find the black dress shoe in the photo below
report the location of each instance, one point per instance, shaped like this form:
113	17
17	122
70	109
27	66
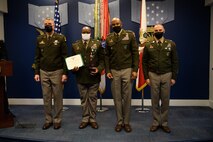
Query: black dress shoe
57	125
166	129
47	126
83	125
153	128
127	128
118	127
94	125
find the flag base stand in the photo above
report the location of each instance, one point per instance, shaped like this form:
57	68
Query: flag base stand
101	108
142	109
65	108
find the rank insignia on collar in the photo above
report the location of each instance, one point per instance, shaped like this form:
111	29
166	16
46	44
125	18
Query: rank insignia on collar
42	42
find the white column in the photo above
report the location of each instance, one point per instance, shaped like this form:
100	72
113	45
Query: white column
3	9
1	26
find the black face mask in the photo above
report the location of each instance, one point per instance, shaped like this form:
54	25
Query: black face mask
116	29
158	35
48	28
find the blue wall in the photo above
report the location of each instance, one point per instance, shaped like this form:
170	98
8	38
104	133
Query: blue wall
190	30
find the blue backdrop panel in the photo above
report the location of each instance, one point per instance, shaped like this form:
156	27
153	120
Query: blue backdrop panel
190	30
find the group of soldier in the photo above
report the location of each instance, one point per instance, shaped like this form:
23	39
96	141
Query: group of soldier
120	60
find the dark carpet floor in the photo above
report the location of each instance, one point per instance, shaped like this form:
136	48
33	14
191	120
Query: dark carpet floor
188	124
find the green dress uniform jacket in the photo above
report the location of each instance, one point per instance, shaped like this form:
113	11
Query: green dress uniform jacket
160	58
50	53
92	53
121	51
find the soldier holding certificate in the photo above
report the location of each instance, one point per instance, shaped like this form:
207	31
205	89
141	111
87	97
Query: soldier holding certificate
89	75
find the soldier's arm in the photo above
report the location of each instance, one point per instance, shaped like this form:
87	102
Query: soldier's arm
175	62
37	58
135	55
101	58
64	54
107	66
145	62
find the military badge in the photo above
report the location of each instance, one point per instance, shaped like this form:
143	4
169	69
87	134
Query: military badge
126	37
94	47
42	42
125	46
169	45
56	42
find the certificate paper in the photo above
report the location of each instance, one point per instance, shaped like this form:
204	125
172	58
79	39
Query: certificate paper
74	61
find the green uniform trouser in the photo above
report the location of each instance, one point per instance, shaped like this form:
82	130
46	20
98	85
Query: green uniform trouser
121	86
52	87
160	91
88	94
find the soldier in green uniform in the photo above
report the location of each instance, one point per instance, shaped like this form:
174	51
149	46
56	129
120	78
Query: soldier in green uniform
51	70
121	67
160	67
88	76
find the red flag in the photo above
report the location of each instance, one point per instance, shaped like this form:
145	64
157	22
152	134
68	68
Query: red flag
104	22
140	81
104	19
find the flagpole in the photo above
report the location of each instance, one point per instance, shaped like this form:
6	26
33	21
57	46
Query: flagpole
142	109
101	108
57	29
103	31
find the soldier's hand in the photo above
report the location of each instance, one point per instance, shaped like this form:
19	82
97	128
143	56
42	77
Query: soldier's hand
93	70
134	75
172	82
109	75
148	82
64	78
75	69
37	78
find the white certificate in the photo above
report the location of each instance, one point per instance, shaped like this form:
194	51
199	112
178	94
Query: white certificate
74	61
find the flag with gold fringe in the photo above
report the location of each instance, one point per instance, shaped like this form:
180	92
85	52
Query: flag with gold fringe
101	30
140	81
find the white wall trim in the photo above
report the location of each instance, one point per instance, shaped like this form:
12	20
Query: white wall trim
211	103
109	102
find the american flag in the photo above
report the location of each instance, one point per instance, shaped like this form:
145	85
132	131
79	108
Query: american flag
57	18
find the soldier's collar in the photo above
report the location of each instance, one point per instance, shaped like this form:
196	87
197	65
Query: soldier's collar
161	40
50	35
119	32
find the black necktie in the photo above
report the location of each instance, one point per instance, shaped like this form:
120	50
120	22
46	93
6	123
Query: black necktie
159	44
116	36
48	37
85	44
